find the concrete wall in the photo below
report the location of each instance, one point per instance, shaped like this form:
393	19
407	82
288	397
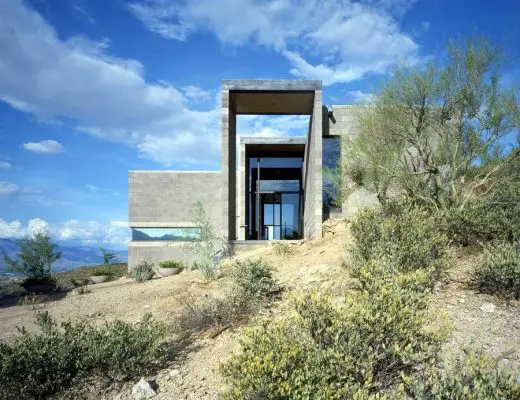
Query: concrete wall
345	124
157	252
312	174
164	199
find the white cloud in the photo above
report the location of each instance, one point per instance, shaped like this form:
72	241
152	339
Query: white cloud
37	225
5	165
11	229
44	147
108	97
359	97
8	189
197	94
115	234
355	38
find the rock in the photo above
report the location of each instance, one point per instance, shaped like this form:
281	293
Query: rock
437	287
143	390
488	307
174	373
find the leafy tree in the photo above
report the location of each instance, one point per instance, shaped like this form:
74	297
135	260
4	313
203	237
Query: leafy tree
108	256
37	254
436	133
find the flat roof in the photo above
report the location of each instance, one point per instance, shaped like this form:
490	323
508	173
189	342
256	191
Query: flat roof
260	96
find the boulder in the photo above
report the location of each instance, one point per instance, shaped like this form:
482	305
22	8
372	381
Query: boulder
143	390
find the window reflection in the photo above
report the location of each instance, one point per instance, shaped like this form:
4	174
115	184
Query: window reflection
165	234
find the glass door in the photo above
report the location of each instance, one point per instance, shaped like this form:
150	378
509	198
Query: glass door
270	216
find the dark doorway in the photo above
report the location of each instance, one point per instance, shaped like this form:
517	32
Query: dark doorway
274	201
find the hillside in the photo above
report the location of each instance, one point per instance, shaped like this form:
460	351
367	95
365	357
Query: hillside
317	265
73	256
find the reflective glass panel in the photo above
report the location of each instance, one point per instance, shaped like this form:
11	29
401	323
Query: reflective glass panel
165	234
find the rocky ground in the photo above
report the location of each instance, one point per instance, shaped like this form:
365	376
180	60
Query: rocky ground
477	320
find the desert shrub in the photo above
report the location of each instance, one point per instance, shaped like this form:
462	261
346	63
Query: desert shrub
354	348
254	278
212	312
209	247
409	238
172	264
37	255
282	248
144	271
484	220
252	282
60	355
103	271
499	273
471	377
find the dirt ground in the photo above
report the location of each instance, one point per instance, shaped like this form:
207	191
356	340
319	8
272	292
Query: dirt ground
479	321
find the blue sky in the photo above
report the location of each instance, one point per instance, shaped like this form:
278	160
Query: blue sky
90	89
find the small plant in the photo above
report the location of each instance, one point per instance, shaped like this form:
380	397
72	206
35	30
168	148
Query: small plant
109	257
255	278
499	273
209	246
144	271
171	264
38	365
83	290
37	255
282	248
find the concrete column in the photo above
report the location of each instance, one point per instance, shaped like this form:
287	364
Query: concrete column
228	126
243	191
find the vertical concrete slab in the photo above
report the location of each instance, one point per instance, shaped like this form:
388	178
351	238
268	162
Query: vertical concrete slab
228	126
313	193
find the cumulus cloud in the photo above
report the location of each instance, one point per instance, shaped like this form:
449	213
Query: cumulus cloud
44	147
355	38
11	229
5	165
115	234
37	225
76	79
8	189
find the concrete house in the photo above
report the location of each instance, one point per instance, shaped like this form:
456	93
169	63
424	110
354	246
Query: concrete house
267	189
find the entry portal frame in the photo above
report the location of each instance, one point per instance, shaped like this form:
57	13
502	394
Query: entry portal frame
271	97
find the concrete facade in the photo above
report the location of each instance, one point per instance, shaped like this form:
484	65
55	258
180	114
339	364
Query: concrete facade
163	199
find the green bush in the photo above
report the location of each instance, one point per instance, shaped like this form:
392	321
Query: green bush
409	238
144	271
255	278
41	364
171	264
37	255
473	377
354	348
499	273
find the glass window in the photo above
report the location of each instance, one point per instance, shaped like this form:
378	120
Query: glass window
165	234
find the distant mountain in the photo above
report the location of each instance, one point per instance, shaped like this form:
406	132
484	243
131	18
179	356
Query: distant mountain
72	257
